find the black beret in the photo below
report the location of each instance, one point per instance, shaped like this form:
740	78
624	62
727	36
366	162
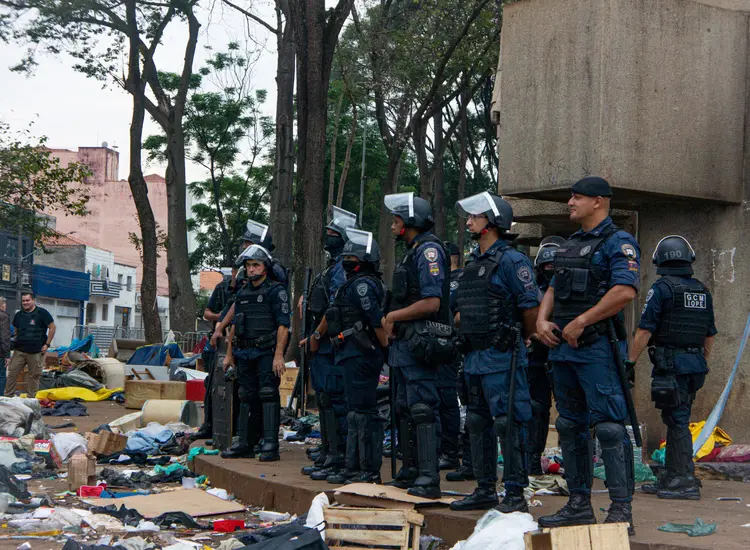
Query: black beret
592	186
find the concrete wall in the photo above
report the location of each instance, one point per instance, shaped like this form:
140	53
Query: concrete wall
647	93
72	258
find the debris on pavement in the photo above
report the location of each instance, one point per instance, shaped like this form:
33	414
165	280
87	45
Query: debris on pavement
697	529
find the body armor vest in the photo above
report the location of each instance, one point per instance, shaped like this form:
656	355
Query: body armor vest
579	283
485	309
257	315
320	293
349	313
406	290
685	317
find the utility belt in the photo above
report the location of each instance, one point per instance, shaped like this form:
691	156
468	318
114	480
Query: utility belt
503	339
592	333
665	392
429	340
266	341
360	335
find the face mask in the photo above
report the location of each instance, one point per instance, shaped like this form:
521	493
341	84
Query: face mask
351	267
334	243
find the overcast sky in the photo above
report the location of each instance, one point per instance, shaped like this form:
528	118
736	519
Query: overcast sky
73	110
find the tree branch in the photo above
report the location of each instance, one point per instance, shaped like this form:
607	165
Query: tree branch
249	15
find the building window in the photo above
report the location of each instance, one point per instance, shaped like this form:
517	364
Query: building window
130	283
91	313
119	279
105	312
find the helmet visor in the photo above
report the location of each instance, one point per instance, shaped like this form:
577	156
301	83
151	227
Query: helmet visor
342	218
255	231
254	252
360	238
480	203
400	202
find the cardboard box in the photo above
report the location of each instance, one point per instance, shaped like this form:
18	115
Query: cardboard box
81	471
137	392
105	443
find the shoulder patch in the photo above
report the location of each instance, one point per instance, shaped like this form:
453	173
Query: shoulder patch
434	268
524	274
362	289
365	301
431	254
283	295
650	294
454	285
629	250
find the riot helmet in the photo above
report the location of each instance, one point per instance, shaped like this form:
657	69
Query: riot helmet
497	210
364	247
544	261
341	220
415	211
258	233
673	255
553	239
256	252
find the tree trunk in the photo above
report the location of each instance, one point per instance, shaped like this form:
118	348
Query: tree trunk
385	238
181	296
348	158
227	255
139	188
282	211
334	138
419	136
463	139
438	177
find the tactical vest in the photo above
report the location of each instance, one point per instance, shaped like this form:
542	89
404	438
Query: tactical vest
32	335
685	317
349	313
485	309
579	283
320	293
253	310
406	290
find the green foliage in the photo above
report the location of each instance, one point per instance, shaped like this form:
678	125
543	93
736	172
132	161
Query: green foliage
33	181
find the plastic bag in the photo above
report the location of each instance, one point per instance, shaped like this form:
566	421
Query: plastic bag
498	530
11	484
315	513
698	529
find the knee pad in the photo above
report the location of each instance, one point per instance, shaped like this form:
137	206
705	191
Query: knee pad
476	422
567	428
325	400
244	395
609	433
268	394
422	414
501	426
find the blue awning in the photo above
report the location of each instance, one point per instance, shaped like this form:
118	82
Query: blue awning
52	282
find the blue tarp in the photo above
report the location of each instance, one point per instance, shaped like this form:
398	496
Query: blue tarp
155	355
86	345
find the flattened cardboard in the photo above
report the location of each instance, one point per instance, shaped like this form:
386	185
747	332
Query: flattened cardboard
195	502
383	496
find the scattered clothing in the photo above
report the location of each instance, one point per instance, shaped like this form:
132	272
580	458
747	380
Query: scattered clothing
698	529
66	408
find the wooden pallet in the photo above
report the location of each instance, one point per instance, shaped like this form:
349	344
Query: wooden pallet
610	536
373	527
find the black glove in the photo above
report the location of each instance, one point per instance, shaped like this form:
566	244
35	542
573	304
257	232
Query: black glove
630	373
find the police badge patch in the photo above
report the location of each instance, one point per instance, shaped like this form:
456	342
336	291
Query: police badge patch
482	271
260	298
454	285
283	296
362	289
585	250
431	254
365	301
628	250
650	294
524	274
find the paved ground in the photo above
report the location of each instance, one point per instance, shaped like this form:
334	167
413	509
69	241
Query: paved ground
280	486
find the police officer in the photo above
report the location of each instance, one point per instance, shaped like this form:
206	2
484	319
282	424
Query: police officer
354	323
260	234
596	276
496	292
327	379
256	347
419	313
219	299
678	326
539	381
447	384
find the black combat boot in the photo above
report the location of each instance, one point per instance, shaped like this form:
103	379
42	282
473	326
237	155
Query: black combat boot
351	457
513	501
684	485
578	511
463	473
484	497
204	432
269	449
241	448
448	461
318	454
408	472
668	472
621	512
370	437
